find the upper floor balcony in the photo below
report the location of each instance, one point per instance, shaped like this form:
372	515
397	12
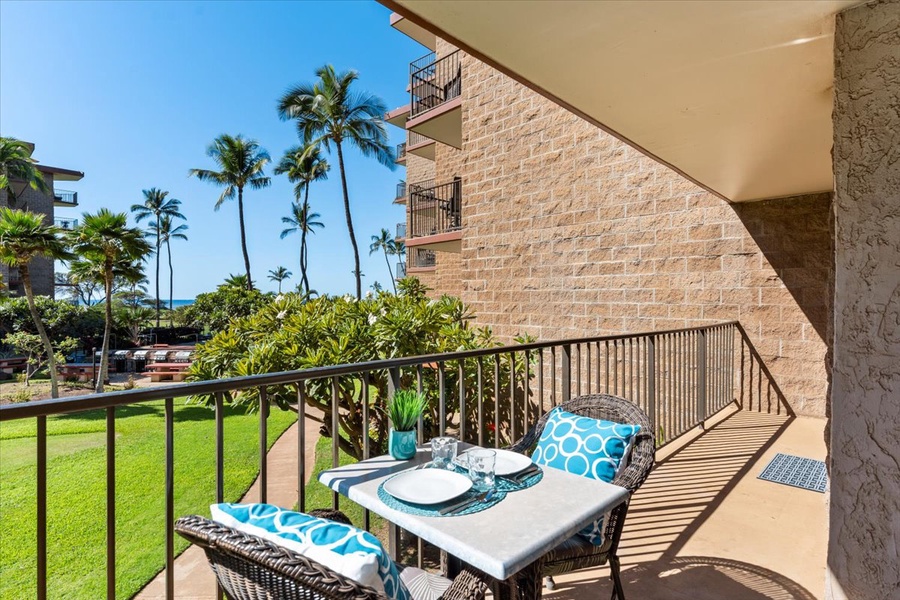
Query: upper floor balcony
65	223
435	216
401	154
65	198
413	30
418	144
436	99
401	232
401	270
400	194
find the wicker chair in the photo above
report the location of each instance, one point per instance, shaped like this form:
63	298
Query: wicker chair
576	552
251	568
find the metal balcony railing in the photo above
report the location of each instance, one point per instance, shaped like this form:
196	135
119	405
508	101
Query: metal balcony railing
65	223
401	231
434	84
401	191
416	139
65	197
488	396
401	151
422	258
422	63
435	209
401	270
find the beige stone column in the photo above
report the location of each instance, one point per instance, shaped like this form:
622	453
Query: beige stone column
864	540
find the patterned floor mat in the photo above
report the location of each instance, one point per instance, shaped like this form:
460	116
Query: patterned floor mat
796	471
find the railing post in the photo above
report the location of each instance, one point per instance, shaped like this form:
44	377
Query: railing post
651	382
566	372
393	380
701	377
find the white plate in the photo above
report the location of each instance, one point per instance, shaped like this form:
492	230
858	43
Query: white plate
508	462
427	486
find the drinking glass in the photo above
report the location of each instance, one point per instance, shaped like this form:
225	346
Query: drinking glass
443	451
481	468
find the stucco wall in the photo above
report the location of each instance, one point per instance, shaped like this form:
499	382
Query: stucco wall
864	544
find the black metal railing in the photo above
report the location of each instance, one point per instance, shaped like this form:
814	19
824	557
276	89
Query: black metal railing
401	270
422	258
401	231
401	152
489	396
65	197
417	139
435	83
65	222
422	63
435	209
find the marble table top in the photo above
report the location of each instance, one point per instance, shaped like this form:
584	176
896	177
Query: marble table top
501	540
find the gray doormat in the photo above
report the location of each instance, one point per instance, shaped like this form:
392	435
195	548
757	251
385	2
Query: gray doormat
796	471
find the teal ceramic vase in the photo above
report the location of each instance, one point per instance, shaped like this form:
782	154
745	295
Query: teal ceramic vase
402	444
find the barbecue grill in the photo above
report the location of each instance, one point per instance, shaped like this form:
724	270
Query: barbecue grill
140	360
162	355
121	360
184	356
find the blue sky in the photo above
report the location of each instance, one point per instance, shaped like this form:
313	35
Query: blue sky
131	93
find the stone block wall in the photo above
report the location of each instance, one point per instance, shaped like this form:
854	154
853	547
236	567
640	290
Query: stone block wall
569	232
864	541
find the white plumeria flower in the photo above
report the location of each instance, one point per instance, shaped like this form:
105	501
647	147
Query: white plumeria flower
279	297
372	319
281	315
369	294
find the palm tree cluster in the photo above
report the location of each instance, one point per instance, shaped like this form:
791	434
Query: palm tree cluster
386	243
102	249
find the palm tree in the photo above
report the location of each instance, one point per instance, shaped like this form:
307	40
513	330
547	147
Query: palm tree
303	166
105	241
328	112
385	242
156	204
279	275
165	233
241	163
305	222
23	236
237	281
16	164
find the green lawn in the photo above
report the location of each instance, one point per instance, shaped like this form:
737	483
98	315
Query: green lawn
76	492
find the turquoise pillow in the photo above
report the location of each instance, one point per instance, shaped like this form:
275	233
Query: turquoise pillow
584	446
342	548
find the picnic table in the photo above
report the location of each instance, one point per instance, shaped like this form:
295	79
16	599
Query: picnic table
13	364
507	540
167	371
79	371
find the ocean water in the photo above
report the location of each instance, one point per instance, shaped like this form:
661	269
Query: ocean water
164	302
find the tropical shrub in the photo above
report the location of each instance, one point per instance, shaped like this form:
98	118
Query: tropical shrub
61	318
30	345
214	311
293	333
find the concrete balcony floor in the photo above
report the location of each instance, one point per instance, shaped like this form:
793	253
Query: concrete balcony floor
704	527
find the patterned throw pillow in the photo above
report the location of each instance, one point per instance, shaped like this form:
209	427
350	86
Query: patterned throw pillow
345	549
584	446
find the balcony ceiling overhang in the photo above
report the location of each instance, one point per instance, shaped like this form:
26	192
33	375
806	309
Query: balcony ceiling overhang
737	96
413	30
398	116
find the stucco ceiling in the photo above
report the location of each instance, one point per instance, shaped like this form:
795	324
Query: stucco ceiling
735	95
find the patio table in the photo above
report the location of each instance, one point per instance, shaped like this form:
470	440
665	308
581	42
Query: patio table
504	541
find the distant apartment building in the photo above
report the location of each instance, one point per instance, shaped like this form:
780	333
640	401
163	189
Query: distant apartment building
42	270
545	224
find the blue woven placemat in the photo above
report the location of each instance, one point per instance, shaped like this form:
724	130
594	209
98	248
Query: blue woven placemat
805	473
433	510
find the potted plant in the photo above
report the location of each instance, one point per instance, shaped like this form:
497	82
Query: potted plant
404	410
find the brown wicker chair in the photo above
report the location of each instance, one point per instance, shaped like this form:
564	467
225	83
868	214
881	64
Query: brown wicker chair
576	552
251	568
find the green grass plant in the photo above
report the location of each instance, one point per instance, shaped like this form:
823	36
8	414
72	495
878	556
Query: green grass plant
404	409
76	492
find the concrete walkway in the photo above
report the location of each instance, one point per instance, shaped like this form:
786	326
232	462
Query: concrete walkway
194	580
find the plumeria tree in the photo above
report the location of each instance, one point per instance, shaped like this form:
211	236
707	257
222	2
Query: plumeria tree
330	114
24	237
241	164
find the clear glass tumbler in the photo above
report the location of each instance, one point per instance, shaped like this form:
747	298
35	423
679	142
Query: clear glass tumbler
481	468
443	451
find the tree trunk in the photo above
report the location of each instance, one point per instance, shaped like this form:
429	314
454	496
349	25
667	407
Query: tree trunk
45	339
390	273
107	330
244	237
356	272
304	282
171	278
157	270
